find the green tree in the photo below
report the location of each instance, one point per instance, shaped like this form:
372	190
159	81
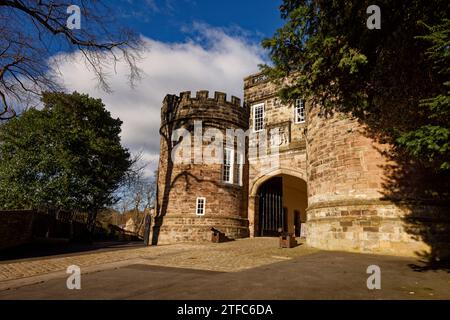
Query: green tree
67	156
395	79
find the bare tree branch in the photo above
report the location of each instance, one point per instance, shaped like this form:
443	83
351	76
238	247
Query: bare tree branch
32	31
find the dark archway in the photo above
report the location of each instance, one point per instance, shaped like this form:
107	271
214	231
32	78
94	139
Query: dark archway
282	202
272	216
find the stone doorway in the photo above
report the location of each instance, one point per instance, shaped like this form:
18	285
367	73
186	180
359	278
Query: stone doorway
280	204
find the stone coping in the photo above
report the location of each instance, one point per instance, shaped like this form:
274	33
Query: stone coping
368	202
201	226
202	218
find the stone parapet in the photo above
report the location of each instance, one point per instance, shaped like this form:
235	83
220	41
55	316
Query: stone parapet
215	110
377	227
183	229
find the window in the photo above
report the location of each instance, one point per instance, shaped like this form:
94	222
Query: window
200	207
240	167
299	111
258	117
228	165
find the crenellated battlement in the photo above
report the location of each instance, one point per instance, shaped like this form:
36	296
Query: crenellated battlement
203	95
203	107
207	121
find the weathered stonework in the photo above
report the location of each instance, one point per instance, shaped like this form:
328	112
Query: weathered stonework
291	159
180	184
365	226
333	180
346	179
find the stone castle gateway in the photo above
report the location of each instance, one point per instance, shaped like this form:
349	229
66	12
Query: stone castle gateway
327	184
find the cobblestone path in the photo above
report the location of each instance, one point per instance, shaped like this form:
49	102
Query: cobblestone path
228	257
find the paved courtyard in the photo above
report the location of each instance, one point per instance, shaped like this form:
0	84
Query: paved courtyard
242	269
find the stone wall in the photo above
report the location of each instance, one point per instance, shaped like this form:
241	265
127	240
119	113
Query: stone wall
21	227
348	200
16	228
347	204
342	162
289	159
350	204
361	226
179	184
277	114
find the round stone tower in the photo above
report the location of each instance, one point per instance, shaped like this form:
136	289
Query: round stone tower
349	186
196	191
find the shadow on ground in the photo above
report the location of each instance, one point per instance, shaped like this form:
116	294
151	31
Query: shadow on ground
317	276
53	248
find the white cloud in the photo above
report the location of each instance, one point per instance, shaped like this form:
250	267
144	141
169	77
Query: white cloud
214	60
152	5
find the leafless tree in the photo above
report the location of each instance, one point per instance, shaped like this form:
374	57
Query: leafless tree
31	31
143	197
137	194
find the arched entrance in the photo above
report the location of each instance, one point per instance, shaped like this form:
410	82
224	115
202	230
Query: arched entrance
278	202
271	211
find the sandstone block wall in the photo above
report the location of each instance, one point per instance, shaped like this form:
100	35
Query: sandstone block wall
179	185
290	158
340	172
347	209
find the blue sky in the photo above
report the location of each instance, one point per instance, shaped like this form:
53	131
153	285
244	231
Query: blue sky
168	20
192	45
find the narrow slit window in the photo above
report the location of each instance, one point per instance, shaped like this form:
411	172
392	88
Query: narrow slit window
200	207
299	111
